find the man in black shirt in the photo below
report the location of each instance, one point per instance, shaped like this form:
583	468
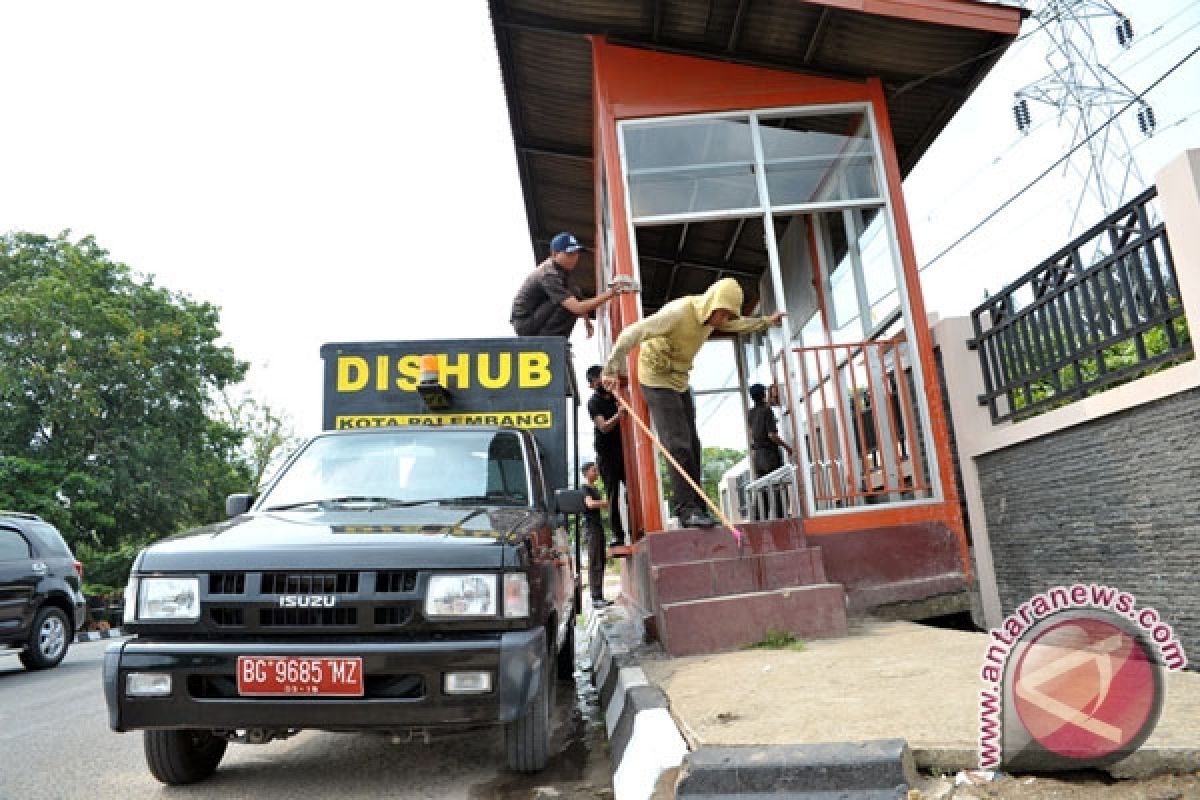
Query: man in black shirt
593	528
765	441
610	457
545	305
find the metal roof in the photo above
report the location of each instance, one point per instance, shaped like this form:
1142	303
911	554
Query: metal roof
928	66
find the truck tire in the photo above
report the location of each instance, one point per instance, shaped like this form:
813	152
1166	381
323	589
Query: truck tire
527	738
566	655
48	639
179	757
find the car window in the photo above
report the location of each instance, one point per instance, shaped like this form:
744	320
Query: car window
13	546
52	544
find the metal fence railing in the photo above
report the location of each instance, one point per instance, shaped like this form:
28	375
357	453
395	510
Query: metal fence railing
1075	325
861	426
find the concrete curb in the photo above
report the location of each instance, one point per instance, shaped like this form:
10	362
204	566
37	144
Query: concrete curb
643	739
876	769
92	636
646	744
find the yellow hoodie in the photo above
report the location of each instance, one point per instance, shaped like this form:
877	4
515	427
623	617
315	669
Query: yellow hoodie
671	337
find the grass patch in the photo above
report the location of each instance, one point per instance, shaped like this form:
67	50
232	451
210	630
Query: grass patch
778	640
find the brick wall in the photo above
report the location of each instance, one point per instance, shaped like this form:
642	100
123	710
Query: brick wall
1113	501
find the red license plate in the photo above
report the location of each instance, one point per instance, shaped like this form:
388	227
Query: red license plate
300	675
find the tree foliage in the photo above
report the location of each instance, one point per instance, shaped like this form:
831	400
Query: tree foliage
716	461
269	436
105	389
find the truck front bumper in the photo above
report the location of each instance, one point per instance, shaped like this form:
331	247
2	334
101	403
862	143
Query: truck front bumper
404	684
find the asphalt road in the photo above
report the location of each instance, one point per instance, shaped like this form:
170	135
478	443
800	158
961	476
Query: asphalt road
55	743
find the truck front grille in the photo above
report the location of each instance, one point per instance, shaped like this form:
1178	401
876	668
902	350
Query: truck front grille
309	582
227	583
396	581
307	617
312	602
227	617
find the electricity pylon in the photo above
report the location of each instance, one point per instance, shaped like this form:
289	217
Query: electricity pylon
1085	94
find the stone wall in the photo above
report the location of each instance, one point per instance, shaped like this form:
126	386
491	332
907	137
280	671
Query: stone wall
1114	501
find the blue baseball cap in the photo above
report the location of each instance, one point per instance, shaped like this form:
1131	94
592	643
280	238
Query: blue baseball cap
565	243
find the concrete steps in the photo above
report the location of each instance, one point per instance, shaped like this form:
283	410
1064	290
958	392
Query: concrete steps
709	595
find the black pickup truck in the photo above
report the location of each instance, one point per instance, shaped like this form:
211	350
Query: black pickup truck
407	572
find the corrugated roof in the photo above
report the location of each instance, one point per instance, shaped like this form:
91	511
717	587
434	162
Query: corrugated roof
928	69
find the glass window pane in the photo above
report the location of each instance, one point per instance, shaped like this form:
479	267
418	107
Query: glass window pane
13	546
682	166
715	366
721	422
818	158
879	269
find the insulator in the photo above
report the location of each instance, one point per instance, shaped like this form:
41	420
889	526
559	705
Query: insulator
1146	120
1021	115
1124	32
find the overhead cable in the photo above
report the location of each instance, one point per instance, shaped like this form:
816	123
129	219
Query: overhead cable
1104	125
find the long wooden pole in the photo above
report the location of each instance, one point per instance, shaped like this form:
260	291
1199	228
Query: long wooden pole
737	533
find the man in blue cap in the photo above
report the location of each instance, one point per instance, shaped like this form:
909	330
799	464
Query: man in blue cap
545	305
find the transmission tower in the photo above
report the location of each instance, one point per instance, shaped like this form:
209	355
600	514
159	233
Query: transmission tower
1085	94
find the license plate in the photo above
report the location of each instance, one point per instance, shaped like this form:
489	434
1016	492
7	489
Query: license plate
300	675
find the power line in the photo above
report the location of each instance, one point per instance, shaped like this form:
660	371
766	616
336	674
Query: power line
1159	28
1057	163
953	67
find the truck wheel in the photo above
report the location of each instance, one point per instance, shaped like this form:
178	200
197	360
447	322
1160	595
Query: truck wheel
179	757
47	644
566	655
528	736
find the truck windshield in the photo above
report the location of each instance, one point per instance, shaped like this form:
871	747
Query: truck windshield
406	467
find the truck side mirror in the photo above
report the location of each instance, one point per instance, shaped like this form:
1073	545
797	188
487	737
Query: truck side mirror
569	501
236	504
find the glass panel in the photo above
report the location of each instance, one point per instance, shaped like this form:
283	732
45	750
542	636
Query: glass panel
13	546
410	466
818	158
721	422
715	366
681	166
879	270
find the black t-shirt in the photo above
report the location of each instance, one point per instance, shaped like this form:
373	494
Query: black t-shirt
603	404
545	285
591	516
762	422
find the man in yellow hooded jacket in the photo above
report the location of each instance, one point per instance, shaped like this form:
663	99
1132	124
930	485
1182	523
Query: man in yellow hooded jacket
669	341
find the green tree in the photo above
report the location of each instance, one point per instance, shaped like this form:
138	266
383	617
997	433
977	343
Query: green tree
269	436
716	461
106	383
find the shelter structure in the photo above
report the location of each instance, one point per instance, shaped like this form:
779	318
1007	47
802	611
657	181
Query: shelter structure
766	140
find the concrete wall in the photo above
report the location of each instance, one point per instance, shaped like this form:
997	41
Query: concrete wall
1103	490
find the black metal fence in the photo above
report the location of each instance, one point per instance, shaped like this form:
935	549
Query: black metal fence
1075	324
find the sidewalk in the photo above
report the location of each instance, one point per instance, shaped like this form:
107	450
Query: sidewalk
885	681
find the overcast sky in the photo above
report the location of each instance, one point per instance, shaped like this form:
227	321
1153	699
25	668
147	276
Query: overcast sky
345	171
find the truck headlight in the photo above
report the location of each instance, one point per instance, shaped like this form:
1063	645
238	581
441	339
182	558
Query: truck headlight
461	596
168	598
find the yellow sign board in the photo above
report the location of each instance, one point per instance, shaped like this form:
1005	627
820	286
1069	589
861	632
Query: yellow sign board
509	419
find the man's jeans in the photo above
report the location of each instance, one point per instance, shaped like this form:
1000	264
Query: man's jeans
674	417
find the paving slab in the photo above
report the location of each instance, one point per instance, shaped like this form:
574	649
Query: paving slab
885	680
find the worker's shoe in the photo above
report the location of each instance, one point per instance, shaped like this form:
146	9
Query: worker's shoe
697	519
600	602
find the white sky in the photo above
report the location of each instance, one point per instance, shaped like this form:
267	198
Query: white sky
345	171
